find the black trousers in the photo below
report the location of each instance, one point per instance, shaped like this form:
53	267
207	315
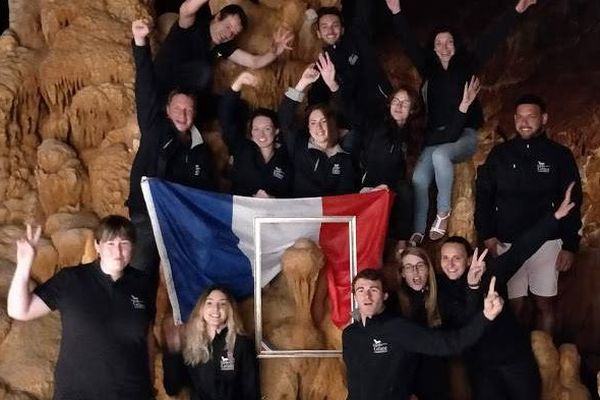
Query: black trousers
401	215
517	381
145	256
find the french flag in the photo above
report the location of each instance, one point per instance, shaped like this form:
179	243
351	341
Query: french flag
207	238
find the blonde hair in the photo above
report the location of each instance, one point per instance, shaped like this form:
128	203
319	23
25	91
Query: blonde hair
197	348
431	304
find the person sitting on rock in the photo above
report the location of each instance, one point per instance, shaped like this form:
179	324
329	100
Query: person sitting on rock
445	68
260	165
210	354
321	166
171	146
106	308
379	349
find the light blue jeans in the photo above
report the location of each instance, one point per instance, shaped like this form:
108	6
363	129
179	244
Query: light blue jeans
439	161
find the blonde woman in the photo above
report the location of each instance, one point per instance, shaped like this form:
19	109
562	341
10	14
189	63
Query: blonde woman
210	353
417	301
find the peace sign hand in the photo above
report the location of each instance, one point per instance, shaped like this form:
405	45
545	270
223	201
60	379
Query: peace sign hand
26	245
566	205
493	303
477	268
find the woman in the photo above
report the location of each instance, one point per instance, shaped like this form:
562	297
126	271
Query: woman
210	354
321	166
417	298
106	309
445	68
261	168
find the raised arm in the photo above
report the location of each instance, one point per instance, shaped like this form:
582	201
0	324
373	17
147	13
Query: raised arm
230	109
571	224
282	39
362	20
175	374
409	43
22	304
187	12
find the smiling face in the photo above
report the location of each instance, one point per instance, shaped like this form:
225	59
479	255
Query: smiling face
318	127
226	29
415	272
216	310
369	297
400	106
181	111
443	46
263	131
454	260
529	120
330	29
115	254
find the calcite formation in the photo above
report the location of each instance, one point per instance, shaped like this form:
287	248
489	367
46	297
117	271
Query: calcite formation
68	133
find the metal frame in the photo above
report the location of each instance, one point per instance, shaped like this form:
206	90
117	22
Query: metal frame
258	222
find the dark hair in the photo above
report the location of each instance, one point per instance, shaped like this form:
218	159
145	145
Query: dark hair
370	274
458	44
415	105
263	112
530	98
322	11
233	9
181	90
329	113
460	240
115	226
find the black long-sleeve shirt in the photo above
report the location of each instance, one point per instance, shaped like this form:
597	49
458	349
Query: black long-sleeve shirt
520	182
444	87
221	377
163	152
379	354
315	173
250	172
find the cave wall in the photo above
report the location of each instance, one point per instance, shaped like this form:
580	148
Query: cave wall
68	132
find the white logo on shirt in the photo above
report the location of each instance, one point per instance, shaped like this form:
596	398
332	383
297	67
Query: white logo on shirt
227	364
336	169
353	59
197	170
543	168
137	303
278	173
379	347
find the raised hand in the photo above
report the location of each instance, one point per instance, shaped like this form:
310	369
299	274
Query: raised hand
309	75
393	5
523	5
327	70
26	246
477	268
493	303
492	245
567	205
244	79
140	31
282	39
470	92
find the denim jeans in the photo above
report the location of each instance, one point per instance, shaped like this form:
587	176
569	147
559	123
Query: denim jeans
439	161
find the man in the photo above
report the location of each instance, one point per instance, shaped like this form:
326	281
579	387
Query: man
106	309
522	180
379	349
198	39
357	67
171	147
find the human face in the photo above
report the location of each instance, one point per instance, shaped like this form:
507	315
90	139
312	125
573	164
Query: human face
226	29
415	272
181	111
443	45
115	254
369	296
330	29
454	260
318	128
263	132
529	120
400	107
216	310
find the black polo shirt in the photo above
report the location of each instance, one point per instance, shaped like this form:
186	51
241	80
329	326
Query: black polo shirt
103	350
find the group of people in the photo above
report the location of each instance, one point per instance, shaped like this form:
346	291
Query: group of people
353	138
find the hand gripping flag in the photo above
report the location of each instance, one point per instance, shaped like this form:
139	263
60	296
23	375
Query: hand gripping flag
206	238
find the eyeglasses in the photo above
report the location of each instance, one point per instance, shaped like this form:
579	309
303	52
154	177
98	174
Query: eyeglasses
402	103
412	268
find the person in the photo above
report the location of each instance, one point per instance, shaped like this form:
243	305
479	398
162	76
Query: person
446	67
261	167
321	166
418	302
354	57
210	353
501	365
171	147
519	182
186	57
379	348
106	309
